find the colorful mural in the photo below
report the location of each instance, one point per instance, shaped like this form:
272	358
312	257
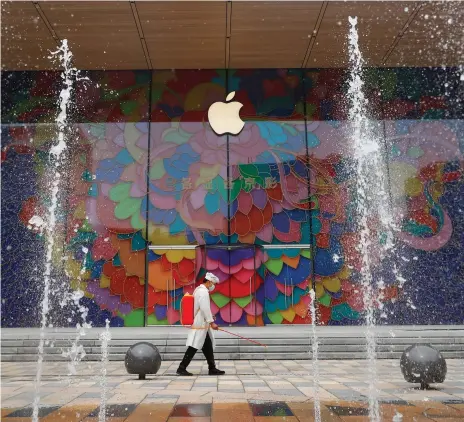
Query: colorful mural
283	185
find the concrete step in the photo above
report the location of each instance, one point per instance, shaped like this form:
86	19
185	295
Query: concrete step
284	342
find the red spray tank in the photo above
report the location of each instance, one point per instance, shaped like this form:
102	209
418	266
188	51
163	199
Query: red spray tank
186	309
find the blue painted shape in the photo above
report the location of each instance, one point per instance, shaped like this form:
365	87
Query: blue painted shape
117	261
124	158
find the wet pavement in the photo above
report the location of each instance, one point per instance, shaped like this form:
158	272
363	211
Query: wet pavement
251	391
245	411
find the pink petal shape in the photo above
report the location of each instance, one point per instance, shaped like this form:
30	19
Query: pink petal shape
135	191
276	207
325	225
233	269
197	198
211	264
244	275
214	308
265	234
347	286
306	299
221	275
231	312
254	308
162	202
287	291
245	202
287	237
287	205
303	285
230	269
142	142
251	264
355	301
328	204
105	189
173	315
130	173
91	210
103	249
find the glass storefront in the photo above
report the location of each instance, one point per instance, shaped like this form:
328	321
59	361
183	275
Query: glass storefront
153	198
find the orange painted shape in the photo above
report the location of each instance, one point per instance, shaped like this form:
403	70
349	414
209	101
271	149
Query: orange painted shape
291	262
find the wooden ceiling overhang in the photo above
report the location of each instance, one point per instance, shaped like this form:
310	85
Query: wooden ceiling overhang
191	34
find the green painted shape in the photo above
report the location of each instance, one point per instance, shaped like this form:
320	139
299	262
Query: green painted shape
325	300
152	320
120	191
127	207
236	188
342	311
416	229
86	176
128	107
86	226
243	301
395	151
306	253
138	242
275	317
220	300
388	82
178	137
82	237
415	152
310	110
157	170
134	318
248	170
137	222
218	183
274	265
117	260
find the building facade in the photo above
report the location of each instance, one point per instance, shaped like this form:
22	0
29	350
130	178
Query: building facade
151	196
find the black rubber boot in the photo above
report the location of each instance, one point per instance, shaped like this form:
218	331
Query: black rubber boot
209	355
182	370
215	371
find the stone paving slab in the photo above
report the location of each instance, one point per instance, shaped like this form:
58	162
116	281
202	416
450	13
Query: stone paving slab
287	381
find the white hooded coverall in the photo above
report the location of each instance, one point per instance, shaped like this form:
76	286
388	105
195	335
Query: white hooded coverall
203	318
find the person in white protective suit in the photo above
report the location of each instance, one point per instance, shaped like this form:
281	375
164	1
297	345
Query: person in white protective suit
201	334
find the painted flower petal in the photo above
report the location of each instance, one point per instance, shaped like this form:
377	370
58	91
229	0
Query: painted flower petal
173	316
245	202
274	265
254	308
275	317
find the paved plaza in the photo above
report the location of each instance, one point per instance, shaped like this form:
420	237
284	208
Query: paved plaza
251	391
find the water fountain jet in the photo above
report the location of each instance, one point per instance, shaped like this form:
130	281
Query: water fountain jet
56	154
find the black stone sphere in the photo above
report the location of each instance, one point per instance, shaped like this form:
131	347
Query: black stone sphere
421	363
142	358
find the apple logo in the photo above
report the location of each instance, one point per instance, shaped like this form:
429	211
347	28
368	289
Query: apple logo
224	117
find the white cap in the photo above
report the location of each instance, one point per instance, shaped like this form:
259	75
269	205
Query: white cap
211	277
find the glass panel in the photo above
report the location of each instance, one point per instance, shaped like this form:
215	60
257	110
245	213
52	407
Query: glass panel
171	274
239	296
287	280
100	227
188	165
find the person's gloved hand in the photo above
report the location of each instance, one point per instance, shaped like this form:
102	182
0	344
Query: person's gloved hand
214	326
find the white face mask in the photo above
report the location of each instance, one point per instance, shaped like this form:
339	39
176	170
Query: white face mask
211	288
